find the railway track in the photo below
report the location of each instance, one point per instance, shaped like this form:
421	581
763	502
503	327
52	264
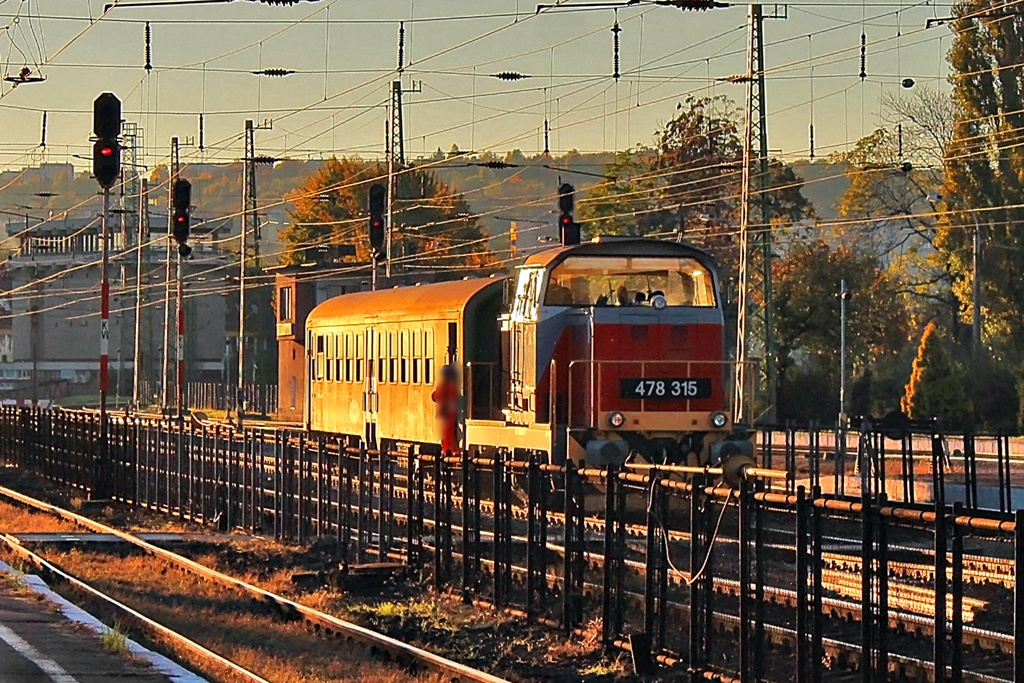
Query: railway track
842	654
401	653
205	658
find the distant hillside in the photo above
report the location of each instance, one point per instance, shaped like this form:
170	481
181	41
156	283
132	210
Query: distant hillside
524	192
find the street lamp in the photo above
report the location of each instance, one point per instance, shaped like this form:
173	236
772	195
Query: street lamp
934	198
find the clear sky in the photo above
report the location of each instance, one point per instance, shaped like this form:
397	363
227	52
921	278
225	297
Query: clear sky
345	53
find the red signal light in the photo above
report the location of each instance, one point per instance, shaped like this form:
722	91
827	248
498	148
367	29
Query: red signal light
181	219
566	220
378	224
106	151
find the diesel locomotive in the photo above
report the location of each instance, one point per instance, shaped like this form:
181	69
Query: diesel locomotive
596	351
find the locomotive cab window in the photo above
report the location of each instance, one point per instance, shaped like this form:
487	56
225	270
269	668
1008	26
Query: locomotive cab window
630	281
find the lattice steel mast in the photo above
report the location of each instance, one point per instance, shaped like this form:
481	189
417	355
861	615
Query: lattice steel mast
754	333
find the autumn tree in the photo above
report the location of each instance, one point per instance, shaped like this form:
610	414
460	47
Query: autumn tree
984	166
807	322
688	184
888	210
433	225
937	384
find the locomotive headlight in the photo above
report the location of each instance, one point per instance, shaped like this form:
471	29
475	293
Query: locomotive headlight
658	301
616	419
719	419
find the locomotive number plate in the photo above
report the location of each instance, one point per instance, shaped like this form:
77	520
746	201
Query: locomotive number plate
667	387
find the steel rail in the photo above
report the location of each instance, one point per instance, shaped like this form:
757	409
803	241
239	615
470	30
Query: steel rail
152	626
401	652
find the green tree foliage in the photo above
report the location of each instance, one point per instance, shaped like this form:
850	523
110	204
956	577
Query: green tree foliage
433	226
807	319
688	184
937	387
984	166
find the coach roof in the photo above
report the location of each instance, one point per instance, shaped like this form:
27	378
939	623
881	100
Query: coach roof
400	302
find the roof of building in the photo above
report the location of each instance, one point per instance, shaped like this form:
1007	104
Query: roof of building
399	302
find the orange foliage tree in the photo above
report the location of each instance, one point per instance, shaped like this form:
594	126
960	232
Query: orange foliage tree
433	226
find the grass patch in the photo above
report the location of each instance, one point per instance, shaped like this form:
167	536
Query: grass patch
115	640
15	519
14	582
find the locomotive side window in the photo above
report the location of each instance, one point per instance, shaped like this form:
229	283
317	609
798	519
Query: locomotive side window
630	281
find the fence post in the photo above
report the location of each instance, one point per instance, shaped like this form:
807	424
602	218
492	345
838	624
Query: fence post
609	579
957	586
696	524
467	550
1018	597
802	664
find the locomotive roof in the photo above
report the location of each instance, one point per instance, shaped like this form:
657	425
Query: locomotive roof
393	303
618	246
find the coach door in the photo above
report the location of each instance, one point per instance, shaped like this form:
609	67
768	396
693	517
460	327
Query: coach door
368	359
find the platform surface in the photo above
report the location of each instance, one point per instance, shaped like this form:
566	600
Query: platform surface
38	645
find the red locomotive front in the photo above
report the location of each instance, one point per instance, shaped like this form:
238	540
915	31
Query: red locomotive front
618	346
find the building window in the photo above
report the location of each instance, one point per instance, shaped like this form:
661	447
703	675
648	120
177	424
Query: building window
285	307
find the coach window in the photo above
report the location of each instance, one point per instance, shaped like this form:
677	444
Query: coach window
382	352
320	343
404	361
329	357
359	357
416	350
428	357
392	357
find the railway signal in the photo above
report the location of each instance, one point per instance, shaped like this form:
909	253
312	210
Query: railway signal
182	203
568	227
106	151
377	207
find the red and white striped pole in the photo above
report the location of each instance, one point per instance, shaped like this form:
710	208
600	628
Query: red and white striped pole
181	338
102	478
